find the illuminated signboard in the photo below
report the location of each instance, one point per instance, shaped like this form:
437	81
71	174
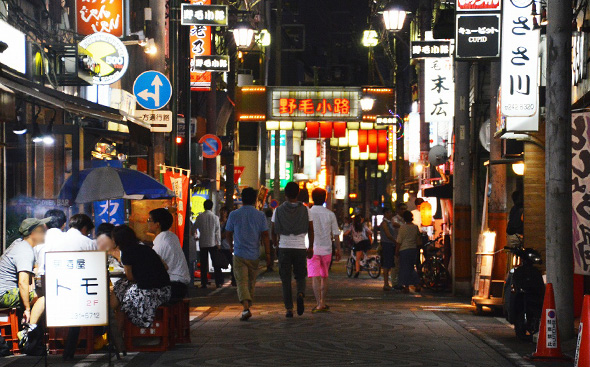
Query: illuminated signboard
15	55
424	49
93	16
315	103
204	14
469	5
103	57
218	63
200	38
439	87
477	35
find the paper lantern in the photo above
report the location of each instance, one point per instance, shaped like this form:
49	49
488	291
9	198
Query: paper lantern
286	125
382	141
381	158
313	129
353	125
339	129
272	125
426	214
326	130
343	141
353	138
363	140
355	153
299	125
372	139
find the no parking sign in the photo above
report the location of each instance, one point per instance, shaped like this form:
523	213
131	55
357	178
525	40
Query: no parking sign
211	145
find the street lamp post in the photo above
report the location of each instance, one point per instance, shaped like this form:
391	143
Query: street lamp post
394	20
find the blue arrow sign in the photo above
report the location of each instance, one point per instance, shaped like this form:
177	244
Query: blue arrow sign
152	90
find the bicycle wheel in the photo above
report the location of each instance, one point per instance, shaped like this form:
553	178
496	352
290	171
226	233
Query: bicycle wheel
374	269
350	267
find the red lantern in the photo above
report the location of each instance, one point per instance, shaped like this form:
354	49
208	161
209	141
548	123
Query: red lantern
313	129
382	141
381	158
363	140
372	141
339	129
326	130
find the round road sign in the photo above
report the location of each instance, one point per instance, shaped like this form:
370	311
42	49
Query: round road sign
211	145
274	204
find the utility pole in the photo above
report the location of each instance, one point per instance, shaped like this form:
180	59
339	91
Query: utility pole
231	125
558	163
173	26
461	259
278	70
185	86
401	72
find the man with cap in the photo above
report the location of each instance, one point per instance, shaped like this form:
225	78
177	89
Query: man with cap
16	269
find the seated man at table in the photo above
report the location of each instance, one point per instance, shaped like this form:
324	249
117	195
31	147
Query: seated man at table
76	238
16	270
167	245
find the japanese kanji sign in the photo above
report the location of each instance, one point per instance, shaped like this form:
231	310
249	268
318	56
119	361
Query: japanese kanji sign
477	36
76	288
200	39
520	60
93	16
581	192
160	121
439	88
178	182
218	63
469	5
204	14
109	211
323	103
423	49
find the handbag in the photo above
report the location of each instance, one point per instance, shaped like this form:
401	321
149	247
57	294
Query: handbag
218	258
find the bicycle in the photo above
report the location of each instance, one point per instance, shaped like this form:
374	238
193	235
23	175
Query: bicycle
371	264
434	274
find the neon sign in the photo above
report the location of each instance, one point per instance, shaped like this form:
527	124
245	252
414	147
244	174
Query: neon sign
315	104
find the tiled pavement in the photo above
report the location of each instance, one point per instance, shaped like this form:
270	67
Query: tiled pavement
366	327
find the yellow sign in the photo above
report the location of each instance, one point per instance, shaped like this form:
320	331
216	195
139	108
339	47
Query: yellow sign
104	58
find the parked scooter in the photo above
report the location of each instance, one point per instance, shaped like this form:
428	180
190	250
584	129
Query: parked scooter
523	292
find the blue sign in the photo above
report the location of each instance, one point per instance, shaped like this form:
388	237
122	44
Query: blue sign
152	90
109	211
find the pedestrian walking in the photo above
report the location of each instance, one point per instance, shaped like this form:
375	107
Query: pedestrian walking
325	227
401	208
291	222
408	238
388	241
207	223
245	229
226	248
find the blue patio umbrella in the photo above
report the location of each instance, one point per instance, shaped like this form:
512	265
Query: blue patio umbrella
109	183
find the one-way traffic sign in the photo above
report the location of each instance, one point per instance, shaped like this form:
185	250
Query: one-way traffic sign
152	90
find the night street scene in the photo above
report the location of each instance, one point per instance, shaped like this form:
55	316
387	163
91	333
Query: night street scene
266	183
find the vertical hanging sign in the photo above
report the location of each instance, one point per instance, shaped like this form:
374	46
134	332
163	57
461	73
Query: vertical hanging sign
200	38
439	90
178	182
520	59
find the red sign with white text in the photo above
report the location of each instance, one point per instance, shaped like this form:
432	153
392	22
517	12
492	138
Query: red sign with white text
467	5
93	16
200	37
178	183
238	170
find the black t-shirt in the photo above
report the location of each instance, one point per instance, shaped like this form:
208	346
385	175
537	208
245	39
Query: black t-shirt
515	223
147	267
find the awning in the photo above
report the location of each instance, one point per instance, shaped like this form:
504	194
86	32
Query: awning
77	105
444	191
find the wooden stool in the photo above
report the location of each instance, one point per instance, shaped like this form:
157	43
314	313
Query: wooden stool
58	336
9	326
160	329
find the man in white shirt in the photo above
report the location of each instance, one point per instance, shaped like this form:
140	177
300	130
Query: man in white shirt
53	237
291	222
325	229
76	238
167	245
207	223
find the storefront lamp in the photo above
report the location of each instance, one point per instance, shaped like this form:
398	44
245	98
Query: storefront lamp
263	38
150	47
367	103
286	125
272	125
370	38
394	18
243	34
518	168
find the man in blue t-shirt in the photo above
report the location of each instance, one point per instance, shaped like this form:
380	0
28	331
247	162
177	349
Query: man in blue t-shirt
245	228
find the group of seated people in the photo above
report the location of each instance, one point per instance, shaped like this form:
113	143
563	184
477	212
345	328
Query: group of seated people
152	275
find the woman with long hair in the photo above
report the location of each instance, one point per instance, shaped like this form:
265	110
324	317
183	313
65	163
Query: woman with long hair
361	238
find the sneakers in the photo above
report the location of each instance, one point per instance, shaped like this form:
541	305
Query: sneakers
300	304
356	275
246	314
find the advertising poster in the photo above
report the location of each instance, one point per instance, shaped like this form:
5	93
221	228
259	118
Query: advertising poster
178	182
581	192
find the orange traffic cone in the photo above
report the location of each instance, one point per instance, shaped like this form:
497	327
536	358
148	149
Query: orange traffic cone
548	345
583	348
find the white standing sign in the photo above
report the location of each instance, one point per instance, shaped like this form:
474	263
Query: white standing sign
520	59
76	288
439	87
